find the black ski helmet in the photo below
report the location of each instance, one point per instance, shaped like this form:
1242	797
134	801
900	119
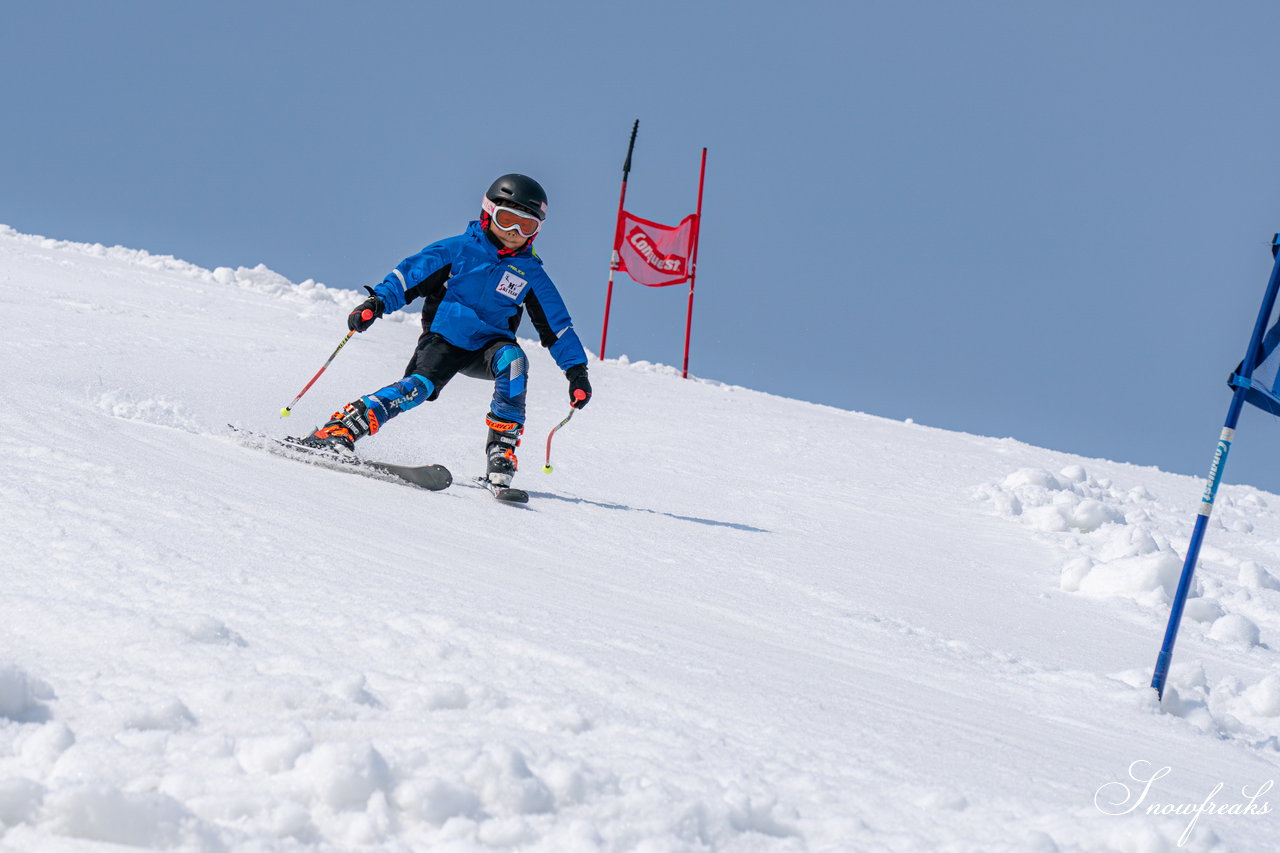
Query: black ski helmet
520	190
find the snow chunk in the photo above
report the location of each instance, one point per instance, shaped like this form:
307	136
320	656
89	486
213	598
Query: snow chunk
765	816
1053	503
273	753
1075	571
344	776
19	800
1186	694
21	695
1254	576
100	813
42	747
1073	474
1048	519
354	688
1263	698
167	716
206	629
1127	541
1231	709
1089	515
1235	628
1204	610
507	785
1034	477
1151	578
436	800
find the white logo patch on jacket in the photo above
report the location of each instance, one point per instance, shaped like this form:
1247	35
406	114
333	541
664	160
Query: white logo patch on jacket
512	285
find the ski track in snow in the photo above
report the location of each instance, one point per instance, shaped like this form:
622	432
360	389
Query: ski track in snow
729	621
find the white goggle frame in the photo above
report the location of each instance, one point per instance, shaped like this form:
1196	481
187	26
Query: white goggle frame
492	208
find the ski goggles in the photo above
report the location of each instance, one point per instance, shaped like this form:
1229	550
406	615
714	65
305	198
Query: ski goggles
512	219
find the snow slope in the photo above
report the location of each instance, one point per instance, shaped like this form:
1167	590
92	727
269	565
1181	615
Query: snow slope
728	621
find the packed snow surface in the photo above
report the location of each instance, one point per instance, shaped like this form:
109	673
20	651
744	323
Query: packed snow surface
727	621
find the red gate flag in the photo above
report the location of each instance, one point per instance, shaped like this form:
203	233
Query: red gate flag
655	255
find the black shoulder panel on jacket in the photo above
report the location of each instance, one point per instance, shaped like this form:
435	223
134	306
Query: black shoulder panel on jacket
431	289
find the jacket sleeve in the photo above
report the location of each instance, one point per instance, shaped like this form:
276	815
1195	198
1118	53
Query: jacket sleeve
411	272
555	327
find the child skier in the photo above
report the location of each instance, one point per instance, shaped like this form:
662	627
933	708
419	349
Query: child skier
475	286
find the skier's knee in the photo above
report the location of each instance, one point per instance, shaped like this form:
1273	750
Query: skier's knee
510	369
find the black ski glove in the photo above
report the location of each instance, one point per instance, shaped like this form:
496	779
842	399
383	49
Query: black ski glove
579	386
365	313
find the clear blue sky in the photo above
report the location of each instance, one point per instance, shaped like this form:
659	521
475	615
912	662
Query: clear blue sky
1041	220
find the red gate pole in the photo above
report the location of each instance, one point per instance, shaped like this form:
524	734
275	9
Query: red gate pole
617	238
693	263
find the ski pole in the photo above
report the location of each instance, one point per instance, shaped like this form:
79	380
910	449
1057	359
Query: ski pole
546	468
288	410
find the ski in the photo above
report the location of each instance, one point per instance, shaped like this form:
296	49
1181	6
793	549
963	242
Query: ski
506	494
430	477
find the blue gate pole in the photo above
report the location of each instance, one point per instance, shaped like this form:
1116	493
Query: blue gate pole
1241	383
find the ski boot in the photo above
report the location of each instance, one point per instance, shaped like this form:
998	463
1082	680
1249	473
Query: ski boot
350	423
500	448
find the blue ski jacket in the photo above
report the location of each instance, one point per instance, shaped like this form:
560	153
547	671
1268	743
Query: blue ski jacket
474	296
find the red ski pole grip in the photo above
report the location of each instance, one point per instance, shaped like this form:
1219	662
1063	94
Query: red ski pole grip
579	394
366	315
